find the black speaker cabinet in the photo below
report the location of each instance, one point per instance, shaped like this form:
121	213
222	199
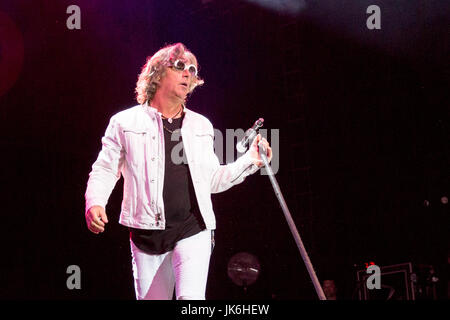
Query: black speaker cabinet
397	283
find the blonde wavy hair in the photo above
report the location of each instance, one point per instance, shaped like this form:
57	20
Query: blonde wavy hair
155	69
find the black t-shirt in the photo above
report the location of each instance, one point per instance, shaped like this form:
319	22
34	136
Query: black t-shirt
183	218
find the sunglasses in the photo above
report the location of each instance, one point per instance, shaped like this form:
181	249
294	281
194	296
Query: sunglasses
181	66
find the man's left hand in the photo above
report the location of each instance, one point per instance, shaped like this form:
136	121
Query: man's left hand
254	150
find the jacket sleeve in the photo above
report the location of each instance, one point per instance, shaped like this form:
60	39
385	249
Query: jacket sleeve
226	176
106	170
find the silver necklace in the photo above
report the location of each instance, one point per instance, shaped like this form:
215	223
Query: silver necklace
171	118
168	130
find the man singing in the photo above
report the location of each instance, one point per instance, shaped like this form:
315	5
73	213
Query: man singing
166	202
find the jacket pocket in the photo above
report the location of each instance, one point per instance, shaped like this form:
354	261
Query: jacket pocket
135	140
204	156
203	144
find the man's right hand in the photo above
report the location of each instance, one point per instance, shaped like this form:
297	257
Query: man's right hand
96	219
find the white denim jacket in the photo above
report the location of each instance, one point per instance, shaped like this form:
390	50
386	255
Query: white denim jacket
133	145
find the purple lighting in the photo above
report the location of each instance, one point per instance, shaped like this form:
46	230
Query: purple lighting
282	6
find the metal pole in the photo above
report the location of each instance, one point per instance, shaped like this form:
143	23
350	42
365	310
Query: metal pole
290	221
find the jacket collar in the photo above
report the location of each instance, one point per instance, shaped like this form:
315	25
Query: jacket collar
149	109
187	121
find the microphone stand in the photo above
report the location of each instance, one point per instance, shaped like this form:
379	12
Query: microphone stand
290	221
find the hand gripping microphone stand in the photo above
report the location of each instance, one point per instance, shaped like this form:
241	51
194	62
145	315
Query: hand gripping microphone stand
287	214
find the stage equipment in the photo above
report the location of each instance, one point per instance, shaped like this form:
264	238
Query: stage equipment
397	283
243	269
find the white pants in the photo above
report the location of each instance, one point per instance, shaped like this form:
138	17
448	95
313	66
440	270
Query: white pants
186	266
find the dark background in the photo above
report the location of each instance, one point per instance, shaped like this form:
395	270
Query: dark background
364	136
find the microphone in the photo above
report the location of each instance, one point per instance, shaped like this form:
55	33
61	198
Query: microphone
250	134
